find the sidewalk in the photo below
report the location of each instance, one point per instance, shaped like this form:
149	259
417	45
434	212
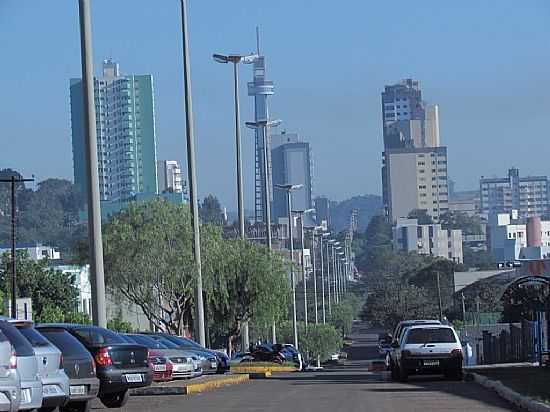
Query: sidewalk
190	386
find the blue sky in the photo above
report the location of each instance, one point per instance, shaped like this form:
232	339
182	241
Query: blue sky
486	63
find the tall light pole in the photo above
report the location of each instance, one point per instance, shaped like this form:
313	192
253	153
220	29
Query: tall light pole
99	315
335	247
301	214
314	271
289	188
191	171
341	277
323	235
265	125
329	244
236	59
13	180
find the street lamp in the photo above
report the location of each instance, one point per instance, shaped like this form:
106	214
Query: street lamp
99	315
341	273
191	171
264	125
289	188
236	59
335	248
323	235
301	214
314	270
329	244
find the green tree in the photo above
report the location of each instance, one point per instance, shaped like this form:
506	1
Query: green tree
45	286
470	225
149	261
343	314
245	281
210	211
119	325
478	259
315	341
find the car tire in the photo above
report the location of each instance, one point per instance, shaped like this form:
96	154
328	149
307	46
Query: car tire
82	406
393	372
388	361
115	400
456	374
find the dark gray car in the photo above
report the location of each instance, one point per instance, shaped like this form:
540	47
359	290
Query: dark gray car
79	366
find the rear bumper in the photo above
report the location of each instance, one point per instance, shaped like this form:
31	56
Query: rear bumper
92	388
9	398
60	382
34	389
419	366
113	380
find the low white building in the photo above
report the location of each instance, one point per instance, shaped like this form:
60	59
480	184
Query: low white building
35	251
409	236
507	235
81	275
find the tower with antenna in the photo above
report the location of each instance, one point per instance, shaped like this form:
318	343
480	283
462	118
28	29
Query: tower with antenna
260	88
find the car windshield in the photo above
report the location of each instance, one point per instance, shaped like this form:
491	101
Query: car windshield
431	335
169	344
21	345
34	338
184	342
98	336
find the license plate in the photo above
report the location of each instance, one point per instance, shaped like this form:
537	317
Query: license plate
214	365
48	390
134	378
159	368
77	390
26	395
431	363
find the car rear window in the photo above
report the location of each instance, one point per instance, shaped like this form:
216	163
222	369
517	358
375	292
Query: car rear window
183	342
19	342
67	343
161	339
34	337
98	336
431	335
148	342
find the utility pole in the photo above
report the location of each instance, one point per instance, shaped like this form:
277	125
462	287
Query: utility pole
323	274
463	308
99	315
192	175
439	297
13	180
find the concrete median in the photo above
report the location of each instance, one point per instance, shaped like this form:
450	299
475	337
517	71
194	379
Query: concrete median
190	387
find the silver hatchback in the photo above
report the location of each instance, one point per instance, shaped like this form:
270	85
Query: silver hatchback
31	386
55	382
10	383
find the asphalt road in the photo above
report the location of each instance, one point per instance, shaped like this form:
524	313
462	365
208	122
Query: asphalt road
348	387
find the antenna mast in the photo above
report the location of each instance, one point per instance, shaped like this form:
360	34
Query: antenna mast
258	40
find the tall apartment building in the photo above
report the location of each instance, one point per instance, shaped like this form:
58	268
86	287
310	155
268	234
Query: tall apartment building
126	141
414	165
415	178
322	210
170	177
528	195
291	163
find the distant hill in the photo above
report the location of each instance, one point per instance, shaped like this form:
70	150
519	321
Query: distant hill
367	205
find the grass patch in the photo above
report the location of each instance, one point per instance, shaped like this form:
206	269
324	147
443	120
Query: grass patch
529	380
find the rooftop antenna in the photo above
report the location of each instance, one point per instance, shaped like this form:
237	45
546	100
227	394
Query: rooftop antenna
258	39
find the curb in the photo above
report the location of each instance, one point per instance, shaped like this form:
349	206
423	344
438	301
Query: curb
191	388
515	398
261	369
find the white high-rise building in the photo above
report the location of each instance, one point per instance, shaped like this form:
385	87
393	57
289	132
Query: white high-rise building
169	176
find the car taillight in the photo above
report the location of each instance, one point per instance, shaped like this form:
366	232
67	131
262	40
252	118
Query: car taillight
13	360
456	353
405	353
103	358
61	362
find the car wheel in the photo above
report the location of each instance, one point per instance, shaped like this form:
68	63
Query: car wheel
456	374
115	400
393	372
388	362
83	406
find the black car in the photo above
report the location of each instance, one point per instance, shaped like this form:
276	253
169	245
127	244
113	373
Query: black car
120	365
222	361
79	366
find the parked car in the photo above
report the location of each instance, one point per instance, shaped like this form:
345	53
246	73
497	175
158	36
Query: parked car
10	383
180	362
398	332
55	382
428	349
210	362
119	365
27	367
79	366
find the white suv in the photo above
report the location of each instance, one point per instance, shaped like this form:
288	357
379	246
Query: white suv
427	349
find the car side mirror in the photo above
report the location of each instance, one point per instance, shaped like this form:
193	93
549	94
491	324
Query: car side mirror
395	345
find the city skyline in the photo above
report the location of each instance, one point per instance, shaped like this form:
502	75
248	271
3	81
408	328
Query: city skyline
455	72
